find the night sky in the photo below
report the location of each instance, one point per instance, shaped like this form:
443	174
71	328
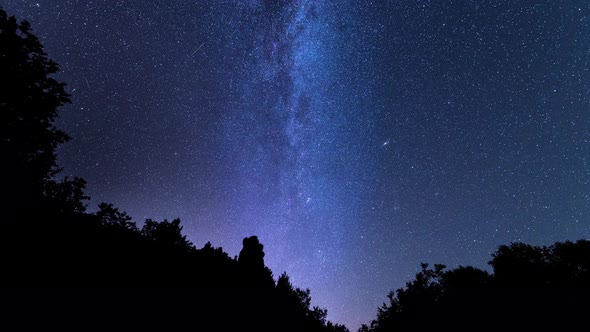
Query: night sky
357	139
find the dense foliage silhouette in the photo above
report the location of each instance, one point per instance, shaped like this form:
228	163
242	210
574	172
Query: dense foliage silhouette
29	98
63	266
531	287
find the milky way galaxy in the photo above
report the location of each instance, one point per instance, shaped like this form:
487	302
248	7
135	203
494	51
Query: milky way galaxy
357	139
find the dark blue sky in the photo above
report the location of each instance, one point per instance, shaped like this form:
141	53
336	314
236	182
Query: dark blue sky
357	139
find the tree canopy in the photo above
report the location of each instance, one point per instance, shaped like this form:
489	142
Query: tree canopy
30	98
531	287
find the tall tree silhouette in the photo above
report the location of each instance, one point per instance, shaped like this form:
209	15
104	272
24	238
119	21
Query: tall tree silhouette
29	102
251	263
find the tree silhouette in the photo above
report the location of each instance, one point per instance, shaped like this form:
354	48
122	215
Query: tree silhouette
251	263
110	215
166	233
65	197
532	287
295	312
29	101
252	253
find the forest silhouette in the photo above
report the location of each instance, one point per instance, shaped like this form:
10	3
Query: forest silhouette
63	266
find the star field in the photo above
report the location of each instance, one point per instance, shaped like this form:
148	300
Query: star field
357	139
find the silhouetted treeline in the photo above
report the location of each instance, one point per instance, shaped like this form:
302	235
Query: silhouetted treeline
63	267
531	288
